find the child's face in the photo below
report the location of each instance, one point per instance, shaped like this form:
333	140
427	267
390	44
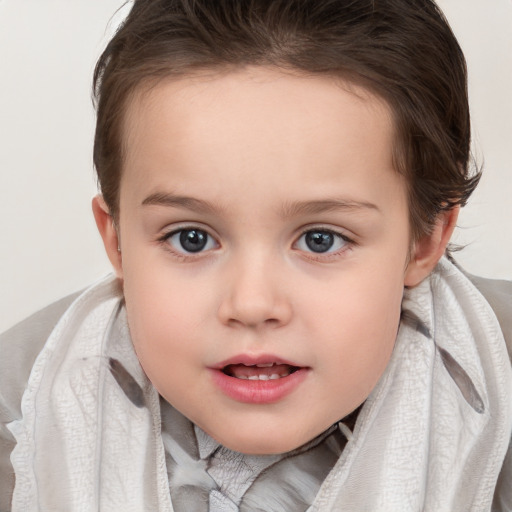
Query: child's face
262	222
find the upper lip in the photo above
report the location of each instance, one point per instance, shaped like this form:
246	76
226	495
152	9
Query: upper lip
252	360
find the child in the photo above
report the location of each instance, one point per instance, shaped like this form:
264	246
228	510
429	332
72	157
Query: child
279	182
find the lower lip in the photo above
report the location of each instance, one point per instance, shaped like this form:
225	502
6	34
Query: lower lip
258	391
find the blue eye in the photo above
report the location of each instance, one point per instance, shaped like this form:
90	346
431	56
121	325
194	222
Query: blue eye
321	241
191	240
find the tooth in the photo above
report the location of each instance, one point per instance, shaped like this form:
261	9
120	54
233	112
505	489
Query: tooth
265	365
253	377
263	377
274	376
243	377
284	374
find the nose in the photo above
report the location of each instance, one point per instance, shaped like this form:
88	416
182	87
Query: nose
255	295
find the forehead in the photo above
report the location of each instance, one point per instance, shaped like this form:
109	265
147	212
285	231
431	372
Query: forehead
254	125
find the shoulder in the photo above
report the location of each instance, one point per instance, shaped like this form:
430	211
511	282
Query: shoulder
498	293
20	347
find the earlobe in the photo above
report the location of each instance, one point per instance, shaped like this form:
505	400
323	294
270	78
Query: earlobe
108	232
429	249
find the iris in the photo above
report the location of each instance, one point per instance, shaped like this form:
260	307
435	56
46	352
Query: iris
193	240
319	241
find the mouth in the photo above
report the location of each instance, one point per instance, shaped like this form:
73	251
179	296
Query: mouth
260	371
262	379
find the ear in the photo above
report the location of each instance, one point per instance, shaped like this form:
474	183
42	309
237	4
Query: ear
108	232
427	251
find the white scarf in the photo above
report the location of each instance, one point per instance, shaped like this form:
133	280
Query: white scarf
432	436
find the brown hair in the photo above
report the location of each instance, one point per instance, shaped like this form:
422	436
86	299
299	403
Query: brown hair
402	50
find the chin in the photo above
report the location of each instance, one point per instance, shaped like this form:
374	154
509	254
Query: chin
259	445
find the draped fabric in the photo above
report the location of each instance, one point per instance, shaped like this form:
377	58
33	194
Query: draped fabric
431	436
205	476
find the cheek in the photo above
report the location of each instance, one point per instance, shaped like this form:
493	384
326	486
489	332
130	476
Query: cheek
163	322
159	300
359	325
366	301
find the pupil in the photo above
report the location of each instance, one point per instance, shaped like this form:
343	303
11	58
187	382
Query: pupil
193	240
319	241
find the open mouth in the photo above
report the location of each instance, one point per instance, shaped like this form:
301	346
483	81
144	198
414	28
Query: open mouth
263	371
258	379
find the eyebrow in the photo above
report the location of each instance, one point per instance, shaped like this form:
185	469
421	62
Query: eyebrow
288	210
176	201
326	205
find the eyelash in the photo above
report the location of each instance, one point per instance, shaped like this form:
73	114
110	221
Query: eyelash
349	243
164	240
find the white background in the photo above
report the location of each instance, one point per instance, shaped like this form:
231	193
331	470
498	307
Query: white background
49	246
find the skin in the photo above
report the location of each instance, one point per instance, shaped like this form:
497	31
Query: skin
263	156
